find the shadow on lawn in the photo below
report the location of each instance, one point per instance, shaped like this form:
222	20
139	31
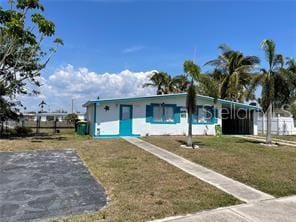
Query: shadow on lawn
183	142
255	142
41	138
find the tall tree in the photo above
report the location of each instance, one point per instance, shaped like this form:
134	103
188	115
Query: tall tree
208	86
23	28
179	84
267	80
290	71
233	73
193	72
161	81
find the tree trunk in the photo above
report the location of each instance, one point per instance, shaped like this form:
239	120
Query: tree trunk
268	124
189	137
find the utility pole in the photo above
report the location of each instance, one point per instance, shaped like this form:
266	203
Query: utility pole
72	105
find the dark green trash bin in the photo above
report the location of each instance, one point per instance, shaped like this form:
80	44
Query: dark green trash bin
81	127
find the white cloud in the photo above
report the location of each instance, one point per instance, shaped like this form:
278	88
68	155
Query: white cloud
80	84
133	49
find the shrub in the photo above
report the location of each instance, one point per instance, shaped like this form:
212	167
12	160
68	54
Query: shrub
23	131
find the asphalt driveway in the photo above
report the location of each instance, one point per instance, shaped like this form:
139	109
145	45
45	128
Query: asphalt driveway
46	184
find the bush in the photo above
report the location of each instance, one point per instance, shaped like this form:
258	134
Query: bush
23	131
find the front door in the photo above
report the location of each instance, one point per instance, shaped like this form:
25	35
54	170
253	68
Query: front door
126	115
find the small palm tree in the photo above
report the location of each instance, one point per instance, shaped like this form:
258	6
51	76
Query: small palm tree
192	71
159	80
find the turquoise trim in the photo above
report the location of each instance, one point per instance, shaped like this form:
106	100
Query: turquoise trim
126	125
132	99
199	97
177	114
216	115
95	119
113	136
149	113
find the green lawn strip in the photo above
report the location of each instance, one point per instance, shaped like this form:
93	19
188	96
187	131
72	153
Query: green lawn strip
140	186
271	170
289	138
282	137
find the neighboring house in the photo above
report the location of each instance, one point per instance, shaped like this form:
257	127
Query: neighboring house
44	116
167	115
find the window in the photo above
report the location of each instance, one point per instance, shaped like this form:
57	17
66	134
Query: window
157	113
125	112
162	113
204	115
168	114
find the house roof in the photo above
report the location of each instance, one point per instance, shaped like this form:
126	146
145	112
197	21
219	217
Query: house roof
135	99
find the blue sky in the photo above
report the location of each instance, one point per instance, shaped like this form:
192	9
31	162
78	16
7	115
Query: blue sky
144	35
112	37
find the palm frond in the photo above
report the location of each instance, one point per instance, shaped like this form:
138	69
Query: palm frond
269	48
224	48
278	61
191	69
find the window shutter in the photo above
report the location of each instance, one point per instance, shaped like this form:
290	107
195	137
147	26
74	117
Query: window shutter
177	114
148	113
216	115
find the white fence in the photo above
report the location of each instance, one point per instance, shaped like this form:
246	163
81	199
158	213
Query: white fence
279	125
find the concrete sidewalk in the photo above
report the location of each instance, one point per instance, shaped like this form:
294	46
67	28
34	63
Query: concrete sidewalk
263	140
275	210
228	185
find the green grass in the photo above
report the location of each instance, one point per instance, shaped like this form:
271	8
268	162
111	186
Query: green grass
140	186
290	138
271	170
282	137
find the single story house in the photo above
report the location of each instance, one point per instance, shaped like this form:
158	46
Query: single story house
167	115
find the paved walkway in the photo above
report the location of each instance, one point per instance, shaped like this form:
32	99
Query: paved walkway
275	210
263	139
37	185
228	185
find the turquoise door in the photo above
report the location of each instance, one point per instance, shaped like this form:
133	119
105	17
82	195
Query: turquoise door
126	115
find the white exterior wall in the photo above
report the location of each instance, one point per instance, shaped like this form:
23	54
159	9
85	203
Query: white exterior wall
255	123
90	118
279	125
107	122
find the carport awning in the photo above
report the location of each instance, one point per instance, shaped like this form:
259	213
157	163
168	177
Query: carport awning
235	105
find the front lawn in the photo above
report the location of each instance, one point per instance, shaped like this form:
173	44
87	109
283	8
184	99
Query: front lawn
271	170
140	186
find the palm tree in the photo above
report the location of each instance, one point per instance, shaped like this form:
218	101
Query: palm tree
166	84
291	65
233	71
179	84
291	76
267	80
161	81
208	86
192	71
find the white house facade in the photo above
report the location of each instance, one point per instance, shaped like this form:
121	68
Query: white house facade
166	115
